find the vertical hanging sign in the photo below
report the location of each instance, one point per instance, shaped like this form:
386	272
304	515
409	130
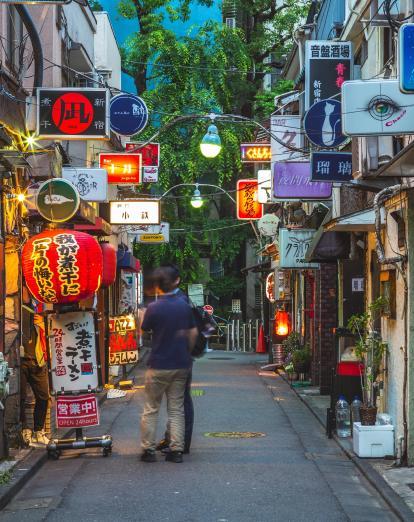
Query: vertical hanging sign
248	206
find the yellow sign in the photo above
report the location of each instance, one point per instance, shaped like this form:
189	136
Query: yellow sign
151	238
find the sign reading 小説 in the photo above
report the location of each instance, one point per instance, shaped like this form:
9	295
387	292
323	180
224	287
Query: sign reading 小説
122	168
72	344
151	233
292	180
150	152
406	57
92	184
128	114
328	64
73	113
123	343
248	206
135	212
255	152
293	245
288	129
331	166
57	200
323	124
264	182
150	174
77	412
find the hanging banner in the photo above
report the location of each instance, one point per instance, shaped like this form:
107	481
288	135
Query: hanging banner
328	64
331	166
128	114
293	246
289	131
248	206
123	344
77	412
292	180
150	152
122	168
135	212
255	152
72	346
70	113
264	182
92	184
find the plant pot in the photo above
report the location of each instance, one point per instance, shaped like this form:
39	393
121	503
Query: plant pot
301	367
368	415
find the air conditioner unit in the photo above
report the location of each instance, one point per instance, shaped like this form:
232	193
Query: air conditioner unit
385	149
375	151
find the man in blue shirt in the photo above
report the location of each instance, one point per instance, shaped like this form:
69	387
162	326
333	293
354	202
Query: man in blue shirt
173	335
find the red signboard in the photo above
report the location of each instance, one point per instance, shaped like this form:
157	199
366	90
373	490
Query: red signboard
150	153
255	152
123	342
122	168
77	412
248	206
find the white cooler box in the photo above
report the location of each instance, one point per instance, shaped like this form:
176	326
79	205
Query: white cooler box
373	441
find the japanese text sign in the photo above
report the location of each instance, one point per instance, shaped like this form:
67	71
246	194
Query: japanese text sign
122	168
328	64
123	345
128	114
150	153
72	344
292	180
288	130
255	152
151	234
150	174
248	206
77	412
92	184
293	245
331	166
135	212
72	113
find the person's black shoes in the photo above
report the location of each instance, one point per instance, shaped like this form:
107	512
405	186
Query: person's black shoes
162	445
174	456
148	456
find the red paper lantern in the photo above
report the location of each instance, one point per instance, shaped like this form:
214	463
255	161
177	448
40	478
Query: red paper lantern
109	264
62	266
282	323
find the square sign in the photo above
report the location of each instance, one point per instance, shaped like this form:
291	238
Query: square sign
77	412
293	245
92	184
248	206
289	131
150	153
135	212
328	64
122	168
331	166
73	114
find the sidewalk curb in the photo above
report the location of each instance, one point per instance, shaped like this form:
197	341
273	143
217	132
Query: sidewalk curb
394	501
26	469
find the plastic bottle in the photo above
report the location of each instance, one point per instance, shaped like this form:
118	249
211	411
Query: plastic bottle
343	418
355	405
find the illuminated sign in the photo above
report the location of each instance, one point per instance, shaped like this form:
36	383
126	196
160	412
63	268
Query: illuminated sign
255	152
150	153
123	345
248	206
135	212
122	168
48	2
73	114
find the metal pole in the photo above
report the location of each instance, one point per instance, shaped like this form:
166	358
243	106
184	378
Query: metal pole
238	334
233	336
227	337
250	335
244	336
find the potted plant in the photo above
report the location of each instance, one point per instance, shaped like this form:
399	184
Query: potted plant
370	350
301	359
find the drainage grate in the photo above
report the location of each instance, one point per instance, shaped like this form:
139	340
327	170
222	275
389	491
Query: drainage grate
220	358
234	434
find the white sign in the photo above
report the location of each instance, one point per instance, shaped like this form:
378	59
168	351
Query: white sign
196	294
267	225
264	179
72	345
236	306
289	130
357	284
151	234
92	184
293	245
150	174
135	212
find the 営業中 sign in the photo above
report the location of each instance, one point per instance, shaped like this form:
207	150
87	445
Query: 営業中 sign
57	200
128	114
122	168
289	131
323	124
328	64
293	245
73	113
255	152
292	180
150	152
248	206
80	411
331	166
92	184
123	344
135	212
72	344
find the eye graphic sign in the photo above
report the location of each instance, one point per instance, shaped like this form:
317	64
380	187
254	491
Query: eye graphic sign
122	168
248	206
73	114
293	245
323	124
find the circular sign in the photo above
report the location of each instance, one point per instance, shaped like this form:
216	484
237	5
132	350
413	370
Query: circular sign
323	124
72	113
267	225
128	114
57	200
209	309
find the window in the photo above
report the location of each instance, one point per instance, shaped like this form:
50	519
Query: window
257	296
15	44
231	23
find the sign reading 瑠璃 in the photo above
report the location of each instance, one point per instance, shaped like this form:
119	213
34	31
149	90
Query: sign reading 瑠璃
123	344
72	344
128	114
77	412
255	152
331	166
135	212
92	184
72	113
293	245
323	124
57	200
328	64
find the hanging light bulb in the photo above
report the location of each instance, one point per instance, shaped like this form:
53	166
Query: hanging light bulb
210	145
196	200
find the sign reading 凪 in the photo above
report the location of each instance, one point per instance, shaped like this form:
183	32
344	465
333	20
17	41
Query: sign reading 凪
331	166
123	345
122	168
73	113
77	412
248	206
255	152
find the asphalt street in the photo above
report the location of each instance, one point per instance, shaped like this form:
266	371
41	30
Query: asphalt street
290	473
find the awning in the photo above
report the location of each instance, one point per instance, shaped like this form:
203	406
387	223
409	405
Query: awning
401	165
362	221
327	247
126	261
99	228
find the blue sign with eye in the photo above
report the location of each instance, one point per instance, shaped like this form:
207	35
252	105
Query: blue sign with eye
331	166
323	124
128	114
406	57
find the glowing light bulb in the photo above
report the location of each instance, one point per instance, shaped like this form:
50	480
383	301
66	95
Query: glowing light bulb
210	145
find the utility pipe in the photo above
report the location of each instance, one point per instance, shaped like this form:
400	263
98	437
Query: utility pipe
36	44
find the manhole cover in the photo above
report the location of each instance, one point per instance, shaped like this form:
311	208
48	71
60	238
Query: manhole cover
197	393
220	358
234	434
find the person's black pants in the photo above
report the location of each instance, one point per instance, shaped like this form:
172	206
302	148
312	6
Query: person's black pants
37	378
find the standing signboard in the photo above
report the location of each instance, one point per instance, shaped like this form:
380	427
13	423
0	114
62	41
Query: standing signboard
70	113
248	206
92	184
128	114
288	129
293	245
73	353
331	166
123	344
328	64
57	200
323	124
135	212
292	180
150	152
122	168
77	412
